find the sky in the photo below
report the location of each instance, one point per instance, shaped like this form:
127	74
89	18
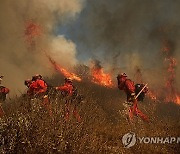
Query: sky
105	29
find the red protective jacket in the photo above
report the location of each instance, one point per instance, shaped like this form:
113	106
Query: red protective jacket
127	85
4	90
37	87
67	87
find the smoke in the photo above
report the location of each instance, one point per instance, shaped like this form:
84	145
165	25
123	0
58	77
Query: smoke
20	60
63	50
96	64
124	34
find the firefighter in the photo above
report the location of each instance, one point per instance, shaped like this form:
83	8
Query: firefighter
3	90
129	88
68	90
37	88
3	93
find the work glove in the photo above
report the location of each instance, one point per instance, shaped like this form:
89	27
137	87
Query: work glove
128	103
133	95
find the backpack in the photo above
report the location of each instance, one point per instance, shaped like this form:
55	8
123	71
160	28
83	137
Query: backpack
138	88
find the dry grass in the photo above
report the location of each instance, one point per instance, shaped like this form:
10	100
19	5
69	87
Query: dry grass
32	130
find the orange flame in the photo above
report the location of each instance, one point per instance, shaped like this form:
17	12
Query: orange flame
63	71
177	101
173	98
171	92
32	30
101	78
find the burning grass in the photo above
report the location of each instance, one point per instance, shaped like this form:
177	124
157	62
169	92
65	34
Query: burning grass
99	76
63	71
171	62
27	128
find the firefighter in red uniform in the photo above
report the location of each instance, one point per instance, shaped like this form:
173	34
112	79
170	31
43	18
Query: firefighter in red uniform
37	87
3	92
129	88
68	91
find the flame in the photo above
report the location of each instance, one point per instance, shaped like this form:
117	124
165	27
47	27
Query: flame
63	71
171	91
101	78
177	99
173	98
32	30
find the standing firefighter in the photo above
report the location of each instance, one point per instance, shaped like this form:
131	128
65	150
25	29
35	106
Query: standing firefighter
3	92
69	92
129	88
37	88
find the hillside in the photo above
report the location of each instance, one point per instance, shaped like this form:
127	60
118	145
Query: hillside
25	130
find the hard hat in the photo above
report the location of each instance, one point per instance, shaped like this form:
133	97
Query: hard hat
121	75
68	80
37	76
26	82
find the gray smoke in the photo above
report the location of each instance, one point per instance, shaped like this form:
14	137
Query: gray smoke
125	34
20	61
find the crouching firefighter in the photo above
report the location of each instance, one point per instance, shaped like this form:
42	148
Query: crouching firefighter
129	88
3	93
69	92
37	88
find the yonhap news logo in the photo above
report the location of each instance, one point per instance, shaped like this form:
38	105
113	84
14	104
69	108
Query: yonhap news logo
130	139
